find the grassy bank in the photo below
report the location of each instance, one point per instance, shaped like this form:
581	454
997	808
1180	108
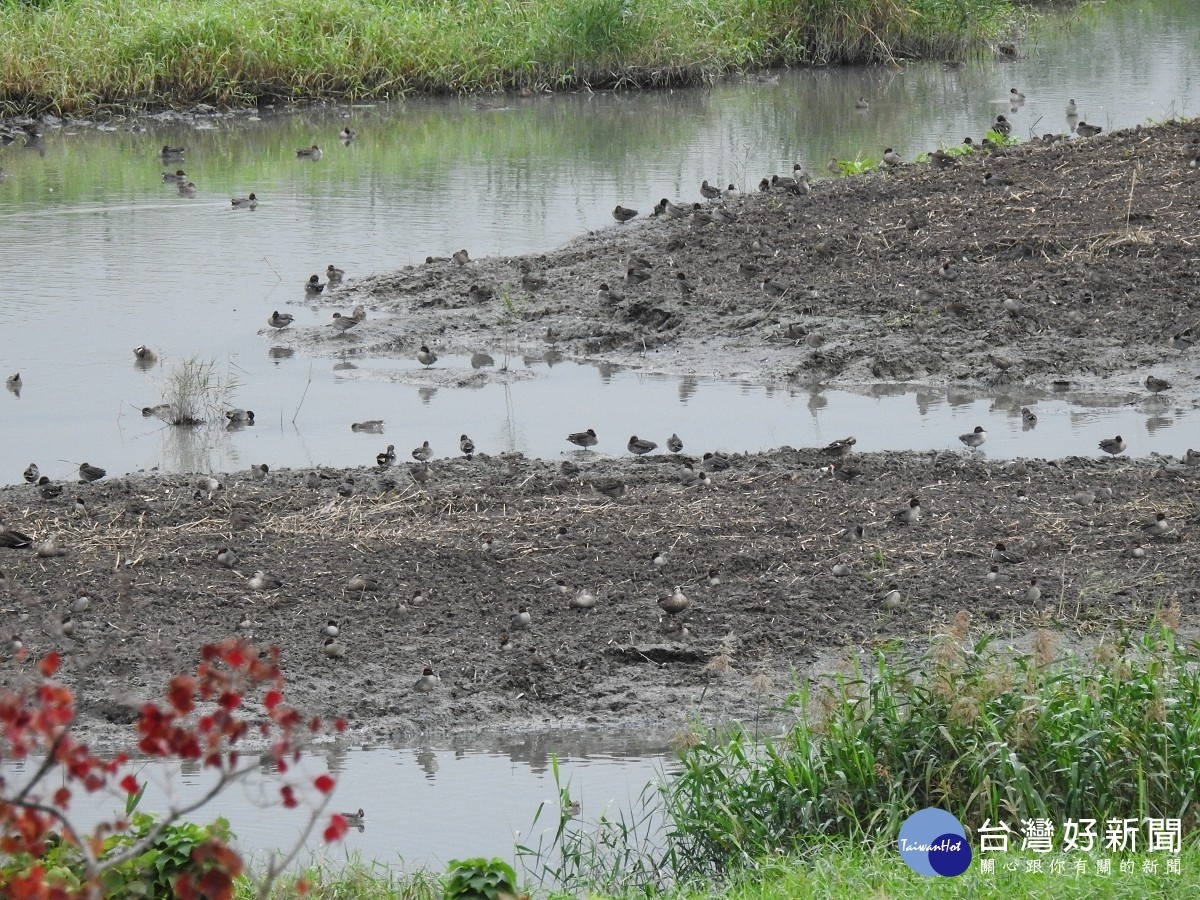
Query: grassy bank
839	872
71	55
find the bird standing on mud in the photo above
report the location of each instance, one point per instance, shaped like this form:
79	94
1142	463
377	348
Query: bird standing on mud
584	439
639	446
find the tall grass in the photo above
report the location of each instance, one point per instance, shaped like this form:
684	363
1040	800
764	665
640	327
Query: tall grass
967	728
77	55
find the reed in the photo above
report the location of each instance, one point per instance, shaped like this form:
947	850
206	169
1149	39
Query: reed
967	728
76	56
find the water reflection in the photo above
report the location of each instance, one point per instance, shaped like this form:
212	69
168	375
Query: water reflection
526	175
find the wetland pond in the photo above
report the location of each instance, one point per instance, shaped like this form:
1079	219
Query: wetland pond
101	257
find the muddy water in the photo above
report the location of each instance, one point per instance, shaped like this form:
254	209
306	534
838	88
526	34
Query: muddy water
99	256
422	804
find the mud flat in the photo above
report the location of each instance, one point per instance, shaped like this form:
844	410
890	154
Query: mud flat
1080	266
489	535
1076	261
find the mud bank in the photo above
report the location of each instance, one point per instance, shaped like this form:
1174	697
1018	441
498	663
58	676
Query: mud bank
1075	260
455	560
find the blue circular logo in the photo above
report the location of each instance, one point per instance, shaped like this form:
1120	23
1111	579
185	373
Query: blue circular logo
933	842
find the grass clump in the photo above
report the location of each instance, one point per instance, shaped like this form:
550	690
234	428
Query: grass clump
194	392
967	728
76	56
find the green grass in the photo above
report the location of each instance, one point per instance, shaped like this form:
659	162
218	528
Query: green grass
837	871
967	728
78	55
356	880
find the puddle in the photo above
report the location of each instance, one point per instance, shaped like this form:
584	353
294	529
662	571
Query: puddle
423	805
121	261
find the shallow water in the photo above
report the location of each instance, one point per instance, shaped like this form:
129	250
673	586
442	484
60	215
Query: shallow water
424	805
100	256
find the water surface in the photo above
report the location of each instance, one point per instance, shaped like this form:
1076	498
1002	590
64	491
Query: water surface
101	257
424	805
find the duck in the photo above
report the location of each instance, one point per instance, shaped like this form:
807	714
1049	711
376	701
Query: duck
314	153
144	354
940	159
354	818
639	446
226	557
675	443
466	445
908	515
1191	458
362	583
584	439
169	152
840	570
263	581
343	323
520	619
584	598
612	488
14	540
177	177
347	134
48	489
313	285
259	471
31	474
240	415
1156	385
892	158
14	380
421	474
370	426
387	457
1084	130
1002	126
1028	417
708	191
461	257
427	682
280	320
187	189
333	648
974	439
532	282
250	202
675	602
1159	527
334	275
480	293
891	598
1183	340
840	448
1001	554
833	167
1072	109
1113	445
426	357
715	462
862	103
1033	593
52	547
88	472
423	453
772	288
1015	97
635	276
